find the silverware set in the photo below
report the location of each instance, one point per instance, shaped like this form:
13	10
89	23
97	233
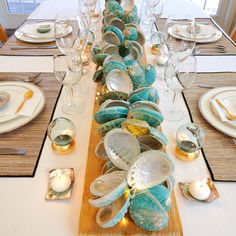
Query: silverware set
212	48
33	47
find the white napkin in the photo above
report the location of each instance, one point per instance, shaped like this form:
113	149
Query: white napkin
31	29
216	64
220	113
16	98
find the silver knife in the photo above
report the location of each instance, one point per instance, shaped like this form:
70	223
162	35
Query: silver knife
12	151
212	86
32	47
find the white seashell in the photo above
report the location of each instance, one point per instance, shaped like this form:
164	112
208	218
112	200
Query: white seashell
105	184
127	5
109	197
101	152
151	168
110	215
114	103
113	57
122	148
118	80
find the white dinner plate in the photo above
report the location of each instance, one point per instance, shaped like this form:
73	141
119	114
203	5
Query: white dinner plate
201	39
209	115
27	30
12	122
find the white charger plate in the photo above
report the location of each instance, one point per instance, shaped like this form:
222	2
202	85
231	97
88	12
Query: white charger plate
215	37
32	29
13	122
208	114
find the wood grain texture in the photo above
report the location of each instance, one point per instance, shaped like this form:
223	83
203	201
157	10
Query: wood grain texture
13	41
88	225
225	41
30	136
219	149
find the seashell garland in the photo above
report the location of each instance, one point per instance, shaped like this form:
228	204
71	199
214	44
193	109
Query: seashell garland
137	175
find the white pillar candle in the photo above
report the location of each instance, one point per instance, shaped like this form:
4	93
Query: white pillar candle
199	190
60	183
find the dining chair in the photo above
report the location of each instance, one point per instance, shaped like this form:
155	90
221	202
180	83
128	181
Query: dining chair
3	34
233	34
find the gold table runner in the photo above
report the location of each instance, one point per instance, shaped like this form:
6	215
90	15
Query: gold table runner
31	136
225	40
219	149
13	41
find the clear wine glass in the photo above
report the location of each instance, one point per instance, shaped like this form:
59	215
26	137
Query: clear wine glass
68	24
92	10
68	71
178	77
181	36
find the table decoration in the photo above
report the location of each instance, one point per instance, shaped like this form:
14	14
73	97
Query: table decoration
61	131
224	40
203	190
219	148
190	138
146	175
60	184
32	135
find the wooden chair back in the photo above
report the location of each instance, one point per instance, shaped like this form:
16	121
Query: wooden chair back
233	34
3	34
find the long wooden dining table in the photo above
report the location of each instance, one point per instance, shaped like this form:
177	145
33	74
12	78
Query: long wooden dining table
23	208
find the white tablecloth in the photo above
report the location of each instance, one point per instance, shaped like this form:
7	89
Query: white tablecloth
23	208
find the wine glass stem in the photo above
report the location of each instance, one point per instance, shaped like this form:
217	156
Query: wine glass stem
71	95
174	98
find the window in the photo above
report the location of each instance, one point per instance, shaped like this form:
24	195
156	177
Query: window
22	6
210	6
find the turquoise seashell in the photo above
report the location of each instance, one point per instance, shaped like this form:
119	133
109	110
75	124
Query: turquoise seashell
124	48
118	23
144	94
147	212
110	215
159	135
108	18
130	63
98	46
110	113
145	104
113	95
160	192
111	37
131	17
141	37
99	58
115	30
104	128
114	8
150	74
98	76
110	49
111	65
130	33
137	75
153	118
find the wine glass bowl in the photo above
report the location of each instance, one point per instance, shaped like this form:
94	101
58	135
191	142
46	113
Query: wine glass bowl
178	77
181	36
68	70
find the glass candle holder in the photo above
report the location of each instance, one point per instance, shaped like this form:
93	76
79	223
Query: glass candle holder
61	132
190	138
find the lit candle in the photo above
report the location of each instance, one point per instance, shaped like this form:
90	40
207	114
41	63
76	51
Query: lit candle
199	190
60	183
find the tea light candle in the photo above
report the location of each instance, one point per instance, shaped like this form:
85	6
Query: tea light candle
199	190
60	183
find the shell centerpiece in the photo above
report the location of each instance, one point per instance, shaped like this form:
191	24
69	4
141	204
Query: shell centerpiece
122	148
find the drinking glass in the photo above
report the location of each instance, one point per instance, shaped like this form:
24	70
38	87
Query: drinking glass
92	10
181	36
68	71
178	77
68	24
151	11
